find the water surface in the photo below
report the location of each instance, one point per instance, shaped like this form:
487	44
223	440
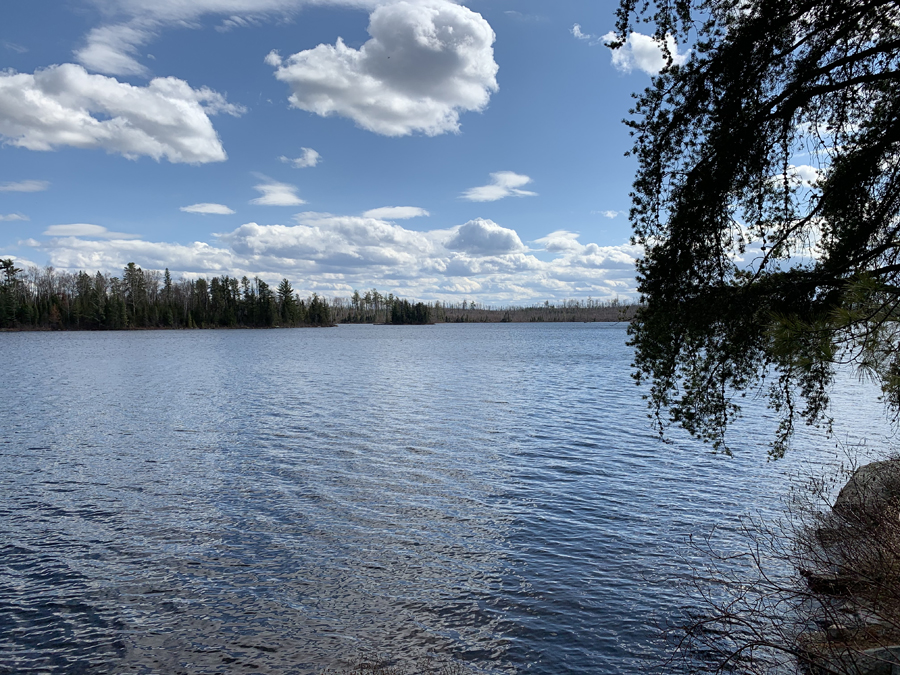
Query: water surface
284	501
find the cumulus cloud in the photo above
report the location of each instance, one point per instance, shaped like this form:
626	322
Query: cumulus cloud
66	106
396	212
644	53
86	230
25	186
333	242
334	254
12	216
277	194
74	253
560	241
590	255
426	62
307	158
485	237
503	184
18	261
207	208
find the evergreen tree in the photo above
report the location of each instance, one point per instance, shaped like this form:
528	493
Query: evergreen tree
287	303
8	293
265	302
136	300
318	313
767	201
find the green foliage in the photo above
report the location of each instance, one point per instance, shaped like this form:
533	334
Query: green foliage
49	299
8	293
287	303
405	312
317	312
151	299
753	276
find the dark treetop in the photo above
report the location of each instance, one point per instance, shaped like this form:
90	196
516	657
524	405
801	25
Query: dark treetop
767	200
47	299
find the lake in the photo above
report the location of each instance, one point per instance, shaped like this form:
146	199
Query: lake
285	501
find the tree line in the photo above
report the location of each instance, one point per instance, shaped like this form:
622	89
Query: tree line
373	306
49	299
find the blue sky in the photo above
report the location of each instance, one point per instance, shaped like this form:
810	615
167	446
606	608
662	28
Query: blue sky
433	149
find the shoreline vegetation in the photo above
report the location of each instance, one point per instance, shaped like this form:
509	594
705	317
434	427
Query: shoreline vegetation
48	299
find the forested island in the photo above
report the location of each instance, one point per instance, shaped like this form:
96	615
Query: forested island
49	299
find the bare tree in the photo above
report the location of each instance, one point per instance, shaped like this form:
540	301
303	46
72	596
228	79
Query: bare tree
816	592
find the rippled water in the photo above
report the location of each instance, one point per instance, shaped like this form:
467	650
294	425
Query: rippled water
285	501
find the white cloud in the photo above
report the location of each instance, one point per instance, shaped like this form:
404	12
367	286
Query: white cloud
524	17
577	255
308	158
12	216
73	253
396	212
560	241
277	194
112	49
333	243
66	106
206	208
608	213
86	230
426	62
333	254
237	21
644	53
503	184
485	237
25	186
13	47
576	31
586	37
187	10
21	263
273	58
801	175
805	174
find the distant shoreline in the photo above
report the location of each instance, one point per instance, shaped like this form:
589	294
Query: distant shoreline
50	329
47	300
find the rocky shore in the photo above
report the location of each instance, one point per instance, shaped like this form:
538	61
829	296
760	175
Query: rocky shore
851	563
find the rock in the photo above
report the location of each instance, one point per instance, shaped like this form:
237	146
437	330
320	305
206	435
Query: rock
872	493
881	661
828	584
855	575
824	653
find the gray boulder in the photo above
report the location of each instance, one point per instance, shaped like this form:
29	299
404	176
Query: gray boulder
872	494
